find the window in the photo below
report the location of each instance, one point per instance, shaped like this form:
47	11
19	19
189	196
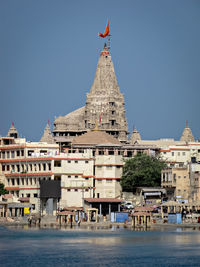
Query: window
8	154
86	190
22	153
18	168
3	155
76	176
108	181
28	195
68	190
76	190
18	153
57	178
184	176
174	176
172	153
8	167
49	165
22	167
100	181
30	152
179	177
113	122
35	195
178	153
44	152
183	153
39	165
57	163
76	161
3	168
69	176
86	161
12	154
86	178
69	161
44	166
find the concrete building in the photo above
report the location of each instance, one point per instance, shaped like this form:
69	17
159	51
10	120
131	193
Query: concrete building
91	168
177	183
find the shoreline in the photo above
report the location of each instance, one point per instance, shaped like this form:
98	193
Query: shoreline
100	226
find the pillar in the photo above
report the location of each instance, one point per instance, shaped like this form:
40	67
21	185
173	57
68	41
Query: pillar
109	209
118	207
100	209
162	213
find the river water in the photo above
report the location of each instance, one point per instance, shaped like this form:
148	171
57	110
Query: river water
91	247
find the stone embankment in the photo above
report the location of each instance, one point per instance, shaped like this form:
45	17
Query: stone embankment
51	222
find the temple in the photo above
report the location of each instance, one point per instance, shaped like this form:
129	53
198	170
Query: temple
104	105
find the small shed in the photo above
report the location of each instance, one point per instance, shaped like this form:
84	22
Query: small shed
142	218
66	217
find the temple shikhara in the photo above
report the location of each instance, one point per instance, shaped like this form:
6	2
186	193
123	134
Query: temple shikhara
104	107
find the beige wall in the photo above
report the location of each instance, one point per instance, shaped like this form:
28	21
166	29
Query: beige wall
107	169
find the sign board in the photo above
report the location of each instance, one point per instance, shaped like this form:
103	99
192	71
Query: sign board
26	211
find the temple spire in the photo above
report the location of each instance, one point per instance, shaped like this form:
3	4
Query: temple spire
13	131
47	136
187	135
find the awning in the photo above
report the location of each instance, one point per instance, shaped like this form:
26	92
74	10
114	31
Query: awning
105	200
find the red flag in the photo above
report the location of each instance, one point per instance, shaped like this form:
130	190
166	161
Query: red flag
99	118
106	31
49	122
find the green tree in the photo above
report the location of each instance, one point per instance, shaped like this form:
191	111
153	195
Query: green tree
142	170
2	189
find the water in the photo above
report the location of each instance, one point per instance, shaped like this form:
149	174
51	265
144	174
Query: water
119	247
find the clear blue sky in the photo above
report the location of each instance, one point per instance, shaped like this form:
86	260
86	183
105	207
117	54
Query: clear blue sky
49	51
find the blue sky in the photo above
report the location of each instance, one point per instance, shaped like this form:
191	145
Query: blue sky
49	52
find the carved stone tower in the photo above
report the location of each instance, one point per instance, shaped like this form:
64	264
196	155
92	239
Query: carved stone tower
105	103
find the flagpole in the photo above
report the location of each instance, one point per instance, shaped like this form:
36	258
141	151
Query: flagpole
109	35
